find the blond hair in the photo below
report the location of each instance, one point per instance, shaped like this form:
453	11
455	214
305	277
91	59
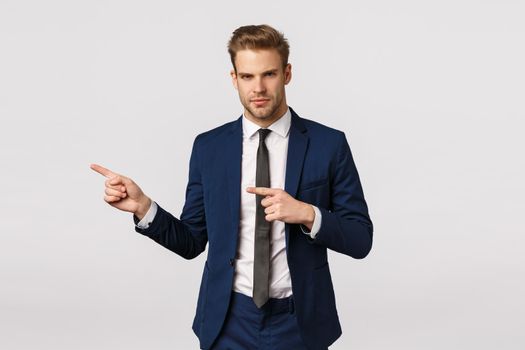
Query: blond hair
255	37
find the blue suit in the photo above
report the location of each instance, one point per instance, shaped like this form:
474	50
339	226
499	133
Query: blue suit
320	171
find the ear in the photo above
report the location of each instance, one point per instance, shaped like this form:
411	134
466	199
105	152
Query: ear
287	73
234	79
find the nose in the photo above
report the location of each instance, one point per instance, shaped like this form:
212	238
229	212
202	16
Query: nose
258	86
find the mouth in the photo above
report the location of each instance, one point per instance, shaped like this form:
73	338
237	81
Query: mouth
260	101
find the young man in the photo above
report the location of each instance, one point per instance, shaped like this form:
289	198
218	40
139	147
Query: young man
270	192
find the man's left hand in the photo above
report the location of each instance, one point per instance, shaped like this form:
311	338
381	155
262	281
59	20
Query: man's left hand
279	205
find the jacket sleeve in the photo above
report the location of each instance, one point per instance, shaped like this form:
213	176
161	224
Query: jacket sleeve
186	236
346	226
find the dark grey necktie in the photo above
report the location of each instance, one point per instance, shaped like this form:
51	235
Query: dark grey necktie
261	260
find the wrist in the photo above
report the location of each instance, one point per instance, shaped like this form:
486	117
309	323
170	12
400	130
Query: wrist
143	207
309	216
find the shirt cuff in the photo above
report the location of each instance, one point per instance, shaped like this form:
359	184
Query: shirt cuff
315	226
148	218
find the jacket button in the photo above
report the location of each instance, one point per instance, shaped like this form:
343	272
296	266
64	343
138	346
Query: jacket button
231	262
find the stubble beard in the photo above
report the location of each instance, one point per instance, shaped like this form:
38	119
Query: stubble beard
263	113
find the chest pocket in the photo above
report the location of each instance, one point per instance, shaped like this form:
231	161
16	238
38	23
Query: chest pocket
310	185
316	192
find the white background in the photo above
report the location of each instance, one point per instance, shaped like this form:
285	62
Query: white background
429	93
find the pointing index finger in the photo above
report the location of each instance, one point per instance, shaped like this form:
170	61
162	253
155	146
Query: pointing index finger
102	171
262	191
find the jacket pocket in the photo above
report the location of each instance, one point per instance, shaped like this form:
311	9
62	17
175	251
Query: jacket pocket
313	184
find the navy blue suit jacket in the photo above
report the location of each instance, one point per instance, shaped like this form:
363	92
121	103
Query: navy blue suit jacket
320	171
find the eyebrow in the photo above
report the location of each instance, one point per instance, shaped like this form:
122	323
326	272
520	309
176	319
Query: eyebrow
268	71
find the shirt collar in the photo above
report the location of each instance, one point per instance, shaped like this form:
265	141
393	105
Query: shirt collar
281	126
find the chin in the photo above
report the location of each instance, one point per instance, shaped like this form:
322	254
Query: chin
260	114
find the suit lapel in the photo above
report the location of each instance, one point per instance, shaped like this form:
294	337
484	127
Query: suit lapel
233	160
297	146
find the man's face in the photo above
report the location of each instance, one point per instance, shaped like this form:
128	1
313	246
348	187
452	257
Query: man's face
260	80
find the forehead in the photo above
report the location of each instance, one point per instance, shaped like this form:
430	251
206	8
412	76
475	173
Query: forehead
257	60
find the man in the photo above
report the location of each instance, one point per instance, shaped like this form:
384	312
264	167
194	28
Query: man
270	192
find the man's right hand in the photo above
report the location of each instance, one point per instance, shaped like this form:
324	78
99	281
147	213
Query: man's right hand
122	193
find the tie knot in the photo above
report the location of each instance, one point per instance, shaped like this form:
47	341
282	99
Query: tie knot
263	133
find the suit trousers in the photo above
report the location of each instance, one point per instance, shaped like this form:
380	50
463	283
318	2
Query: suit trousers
272	327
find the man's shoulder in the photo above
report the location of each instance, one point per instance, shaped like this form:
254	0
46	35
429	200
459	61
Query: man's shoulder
218	132
315	128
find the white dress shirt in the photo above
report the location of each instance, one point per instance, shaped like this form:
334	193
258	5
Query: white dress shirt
277	144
